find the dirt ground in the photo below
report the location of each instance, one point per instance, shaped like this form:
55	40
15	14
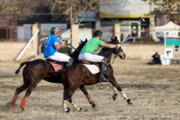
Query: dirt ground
154	91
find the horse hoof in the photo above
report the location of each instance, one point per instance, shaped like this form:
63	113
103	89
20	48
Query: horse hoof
80	110
67	110
129	101
93	105
114	96
9	104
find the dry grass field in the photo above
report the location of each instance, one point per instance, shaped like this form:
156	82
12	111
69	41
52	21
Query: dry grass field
154	91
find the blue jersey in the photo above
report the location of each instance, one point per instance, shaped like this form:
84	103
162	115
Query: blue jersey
49	49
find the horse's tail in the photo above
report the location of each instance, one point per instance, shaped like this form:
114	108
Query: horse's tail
21	65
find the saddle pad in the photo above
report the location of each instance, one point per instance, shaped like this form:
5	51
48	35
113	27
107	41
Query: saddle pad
56	66
92	68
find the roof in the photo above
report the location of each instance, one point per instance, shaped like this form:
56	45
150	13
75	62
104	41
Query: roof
169	26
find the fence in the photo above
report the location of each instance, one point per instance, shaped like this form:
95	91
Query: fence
11	50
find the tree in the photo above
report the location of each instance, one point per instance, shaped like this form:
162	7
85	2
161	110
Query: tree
66	10
165	6
3	5
72	8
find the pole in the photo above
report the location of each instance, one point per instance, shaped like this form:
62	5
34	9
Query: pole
24	49
80	22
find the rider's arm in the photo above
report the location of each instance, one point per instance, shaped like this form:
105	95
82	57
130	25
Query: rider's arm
109	45
60	45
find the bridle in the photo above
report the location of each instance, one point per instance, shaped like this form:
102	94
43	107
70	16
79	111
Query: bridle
116	55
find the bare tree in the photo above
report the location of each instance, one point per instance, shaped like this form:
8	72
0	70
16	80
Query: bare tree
3	5
72	8
165	6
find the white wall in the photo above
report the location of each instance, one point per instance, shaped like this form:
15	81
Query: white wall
24	32
85	33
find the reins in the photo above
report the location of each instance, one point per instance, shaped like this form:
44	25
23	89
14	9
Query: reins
70	46
114	58
99	50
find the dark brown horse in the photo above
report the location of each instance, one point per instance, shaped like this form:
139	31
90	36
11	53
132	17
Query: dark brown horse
77	76
36	70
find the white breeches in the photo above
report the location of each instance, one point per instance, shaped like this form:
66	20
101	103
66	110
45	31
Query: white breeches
60	57
90	57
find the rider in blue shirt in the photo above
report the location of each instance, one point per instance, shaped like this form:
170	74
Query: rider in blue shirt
52	45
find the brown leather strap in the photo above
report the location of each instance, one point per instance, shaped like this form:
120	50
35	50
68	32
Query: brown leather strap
85	62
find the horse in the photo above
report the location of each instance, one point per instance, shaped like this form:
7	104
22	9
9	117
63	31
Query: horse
77	76
36	70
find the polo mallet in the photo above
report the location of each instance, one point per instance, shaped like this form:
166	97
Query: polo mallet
127	35
140	18
70	46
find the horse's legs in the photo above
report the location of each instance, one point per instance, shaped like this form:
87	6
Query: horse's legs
74	105
115	93
117	87
88	96
18	91
27	94
67	97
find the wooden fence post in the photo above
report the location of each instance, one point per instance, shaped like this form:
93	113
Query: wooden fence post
35	40
117	31
75	35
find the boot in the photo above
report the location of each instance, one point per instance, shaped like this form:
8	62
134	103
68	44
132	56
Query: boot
69	63
101	74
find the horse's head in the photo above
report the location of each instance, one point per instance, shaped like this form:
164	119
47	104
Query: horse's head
118	51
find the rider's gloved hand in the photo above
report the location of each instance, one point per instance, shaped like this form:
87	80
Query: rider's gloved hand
118	45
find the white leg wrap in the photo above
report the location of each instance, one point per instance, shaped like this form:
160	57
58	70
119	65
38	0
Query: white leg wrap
76	107
115	90
65	105
124	95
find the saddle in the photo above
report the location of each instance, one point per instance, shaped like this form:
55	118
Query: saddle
93	67
56	64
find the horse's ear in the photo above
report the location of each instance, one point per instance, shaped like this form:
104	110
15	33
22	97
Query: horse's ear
115	37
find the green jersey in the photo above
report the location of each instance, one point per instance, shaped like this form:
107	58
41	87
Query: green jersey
91	45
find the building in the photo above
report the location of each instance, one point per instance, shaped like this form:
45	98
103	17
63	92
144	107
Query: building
8	29
129	14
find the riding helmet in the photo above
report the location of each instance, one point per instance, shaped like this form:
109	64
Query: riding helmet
54	30
97	33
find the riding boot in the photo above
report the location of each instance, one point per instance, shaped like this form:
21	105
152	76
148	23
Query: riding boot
69	63
101	74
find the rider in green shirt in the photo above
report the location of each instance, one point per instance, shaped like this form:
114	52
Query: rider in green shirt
90	47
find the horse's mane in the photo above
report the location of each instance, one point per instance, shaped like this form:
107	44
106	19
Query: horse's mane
76	52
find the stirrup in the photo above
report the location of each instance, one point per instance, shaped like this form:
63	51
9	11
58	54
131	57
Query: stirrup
103	79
